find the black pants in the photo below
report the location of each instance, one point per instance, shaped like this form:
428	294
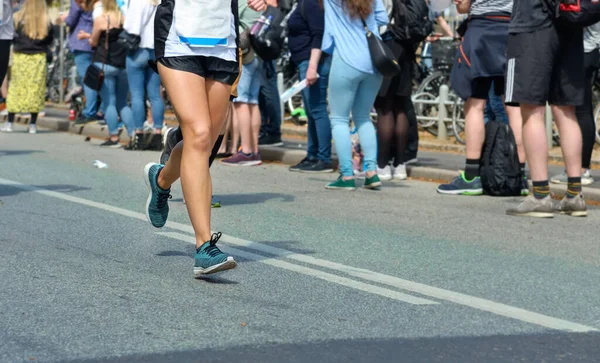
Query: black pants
4	58
413	130
585	112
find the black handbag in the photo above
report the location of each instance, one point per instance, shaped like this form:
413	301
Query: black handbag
94	76
129	41
381	55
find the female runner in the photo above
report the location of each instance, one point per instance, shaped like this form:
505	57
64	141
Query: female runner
197	59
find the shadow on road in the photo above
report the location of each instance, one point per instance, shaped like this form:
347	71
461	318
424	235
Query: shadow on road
6	190
546	347
19	152
254	198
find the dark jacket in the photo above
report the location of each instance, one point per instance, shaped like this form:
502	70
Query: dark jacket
306	26
23	44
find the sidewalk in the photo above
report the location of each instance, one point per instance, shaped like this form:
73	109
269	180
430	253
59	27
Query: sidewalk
438	161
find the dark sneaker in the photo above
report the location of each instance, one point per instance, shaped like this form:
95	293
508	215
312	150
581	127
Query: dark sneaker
373	182
574	207
210	259
303	164
342	184
155	143
461	186
270	140
532	207
215	203
171	139
81	120
525	187
112	144
318	167
157	204
241	159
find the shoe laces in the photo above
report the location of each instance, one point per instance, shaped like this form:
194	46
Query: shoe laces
212	250
162	199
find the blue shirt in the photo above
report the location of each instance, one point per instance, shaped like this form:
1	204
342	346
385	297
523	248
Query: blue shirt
79	20
347	35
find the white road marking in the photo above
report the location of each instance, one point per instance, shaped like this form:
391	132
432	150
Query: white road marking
311	272
433	292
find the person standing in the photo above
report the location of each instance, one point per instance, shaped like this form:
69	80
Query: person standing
143	81
27	88
304	42
585	112
354	81
79	19
546	64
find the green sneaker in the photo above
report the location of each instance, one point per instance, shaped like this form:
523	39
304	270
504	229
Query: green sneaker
342	184
373	182
215	203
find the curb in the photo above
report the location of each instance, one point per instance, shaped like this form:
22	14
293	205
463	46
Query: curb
278	154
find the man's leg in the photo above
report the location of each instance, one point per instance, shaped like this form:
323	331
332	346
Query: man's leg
270	106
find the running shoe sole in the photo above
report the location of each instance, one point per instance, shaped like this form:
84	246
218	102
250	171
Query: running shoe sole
340	188
531	214
470	192
147	180
223	266
376	185
244	163
576	213
324	171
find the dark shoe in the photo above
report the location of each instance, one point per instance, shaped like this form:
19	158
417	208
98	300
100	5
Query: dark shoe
81	120
461	186
270	140
112	144
157	204
136	142
318	167
171	139
155	143
306	162
241	159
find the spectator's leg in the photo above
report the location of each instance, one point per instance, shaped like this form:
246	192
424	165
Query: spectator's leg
534	140
83	60
313	143
585	112
385	130
412	147
475	135
361	115
400	131
123	108
109	96
271	106
320	114
153	91
4	60
136	73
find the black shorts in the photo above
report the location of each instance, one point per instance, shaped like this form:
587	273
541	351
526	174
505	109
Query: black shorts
206	67
481	87
546	66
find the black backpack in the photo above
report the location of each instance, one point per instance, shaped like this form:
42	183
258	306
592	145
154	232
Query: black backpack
411	21
268	44
500	171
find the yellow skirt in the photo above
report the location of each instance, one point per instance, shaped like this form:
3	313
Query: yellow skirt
27	85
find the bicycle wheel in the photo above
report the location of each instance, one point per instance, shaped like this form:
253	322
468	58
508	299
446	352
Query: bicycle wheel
426	112
433	82
458	120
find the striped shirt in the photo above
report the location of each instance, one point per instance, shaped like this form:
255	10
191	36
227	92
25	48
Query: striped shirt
481	7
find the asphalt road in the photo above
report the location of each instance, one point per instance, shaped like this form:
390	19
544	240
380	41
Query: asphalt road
399	275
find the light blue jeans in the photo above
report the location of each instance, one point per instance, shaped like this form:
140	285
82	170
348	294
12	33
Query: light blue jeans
144	81
82	62
351	90
114	95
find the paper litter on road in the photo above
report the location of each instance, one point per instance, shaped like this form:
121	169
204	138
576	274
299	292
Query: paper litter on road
100	165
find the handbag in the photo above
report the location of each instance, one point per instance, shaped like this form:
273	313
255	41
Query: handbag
381	55
94	76
129	41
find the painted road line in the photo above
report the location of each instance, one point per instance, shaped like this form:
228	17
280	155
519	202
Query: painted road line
426	290
358	285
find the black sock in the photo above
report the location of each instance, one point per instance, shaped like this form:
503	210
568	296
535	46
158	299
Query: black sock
573	187
215	150
11	117
541	189
471	169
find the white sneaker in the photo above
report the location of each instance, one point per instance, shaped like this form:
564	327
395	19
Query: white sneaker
586	178
4	112
400	172
7	127
32	129
385	173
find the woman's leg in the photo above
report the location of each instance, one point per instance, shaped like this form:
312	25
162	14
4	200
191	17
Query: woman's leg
313	144
344	80
226	129
200	110
255	123
109	98
136	73
83	60
400	131
123	108
153	91
585	112
244	114
385	130
318	109
361	115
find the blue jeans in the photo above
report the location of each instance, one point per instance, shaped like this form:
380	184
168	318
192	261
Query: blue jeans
494	108
249	85
82	61
143	80
269	104
352	91
114	95
315	102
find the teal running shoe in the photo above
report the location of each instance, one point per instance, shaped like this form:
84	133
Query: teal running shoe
157	206
210	259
